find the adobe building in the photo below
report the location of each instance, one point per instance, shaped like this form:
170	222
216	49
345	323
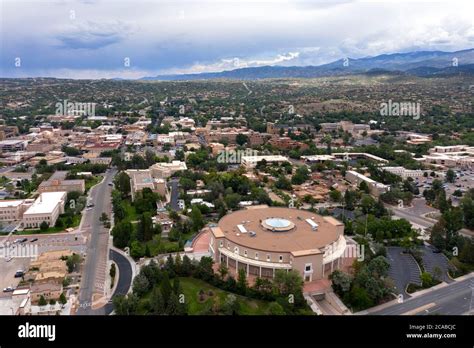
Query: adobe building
261	240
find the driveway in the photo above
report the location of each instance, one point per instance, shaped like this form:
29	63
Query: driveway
403	270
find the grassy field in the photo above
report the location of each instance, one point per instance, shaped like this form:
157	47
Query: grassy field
192	286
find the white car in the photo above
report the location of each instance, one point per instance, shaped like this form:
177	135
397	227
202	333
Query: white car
8	259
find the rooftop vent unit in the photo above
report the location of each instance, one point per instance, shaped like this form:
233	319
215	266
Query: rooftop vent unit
252	234
242	229
314	225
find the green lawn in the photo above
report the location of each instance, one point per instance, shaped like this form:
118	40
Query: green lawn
91	181
130	212
76	220
192	286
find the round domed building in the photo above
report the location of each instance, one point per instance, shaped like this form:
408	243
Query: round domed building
261	240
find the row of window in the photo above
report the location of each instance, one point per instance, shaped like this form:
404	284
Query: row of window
236	251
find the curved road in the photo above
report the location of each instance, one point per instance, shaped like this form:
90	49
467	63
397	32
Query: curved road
124	278
124	282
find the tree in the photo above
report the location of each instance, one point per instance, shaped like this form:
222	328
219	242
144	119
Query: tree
242	282
364	187
223	271
231	305
166	288
157	303
62	299
205	270
301	175
287	283
241	139
283	183
72	262
197	219
122	183
341	282
467	252
42	301
121	234
450	176
44	226
145	227
140	285
335	195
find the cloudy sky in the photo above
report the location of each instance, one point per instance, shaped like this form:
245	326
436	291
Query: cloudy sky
136	38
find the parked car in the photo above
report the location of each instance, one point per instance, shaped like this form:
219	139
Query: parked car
9	289
23	240
8	259
20	273
33	240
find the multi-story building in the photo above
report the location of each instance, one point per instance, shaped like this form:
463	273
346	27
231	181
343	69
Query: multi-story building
261	240
404	173
251	161
376	188
164	170
12	210
47	207
58	183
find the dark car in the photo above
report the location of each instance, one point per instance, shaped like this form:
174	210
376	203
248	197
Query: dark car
33	240
23	240
19	274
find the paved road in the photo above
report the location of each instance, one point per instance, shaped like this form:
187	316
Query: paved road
403	270
174	183
124	281
453	299
410	216
98	245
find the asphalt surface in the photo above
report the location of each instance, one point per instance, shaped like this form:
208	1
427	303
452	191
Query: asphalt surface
410	216
432	260
124	280
403	270
99	196
453	299
174	183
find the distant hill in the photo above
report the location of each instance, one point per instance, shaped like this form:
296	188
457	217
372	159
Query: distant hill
420	63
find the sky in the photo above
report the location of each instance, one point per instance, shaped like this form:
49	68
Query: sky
85	39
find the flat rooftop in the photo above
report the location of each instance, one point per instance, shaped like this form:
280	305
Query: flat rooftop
46	203
300	235
11	203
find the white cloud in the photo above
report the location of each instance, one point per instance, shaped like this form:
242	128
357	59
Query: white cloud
196	36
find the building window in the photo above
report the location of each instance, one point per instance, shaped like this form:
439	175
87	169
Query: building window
268	257
256	256
281	258
221	244
245	253
308	267
236	250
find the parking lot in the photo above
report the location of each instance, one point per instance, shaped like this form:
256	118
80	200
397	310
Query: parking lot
8	270
431	260
403	270
49	242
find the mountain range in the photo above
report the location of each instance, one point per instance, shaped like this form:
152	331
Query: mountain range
419	63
